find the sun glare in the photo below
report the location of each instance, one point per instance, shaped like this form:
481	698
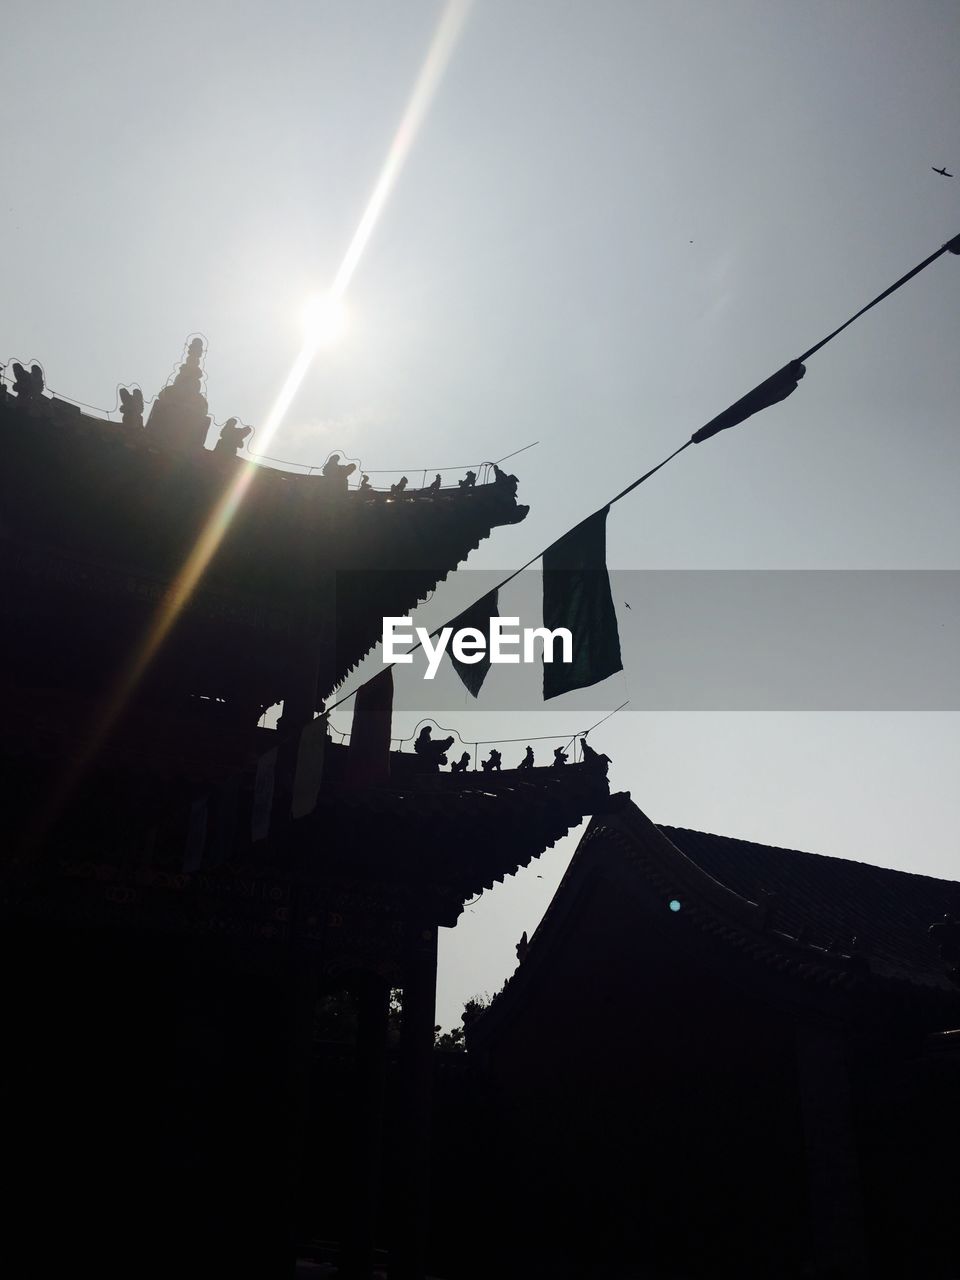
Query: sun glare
324	320
323	326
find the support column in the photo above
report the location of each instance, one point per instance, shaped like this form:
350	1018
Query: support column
373	1009
408	1254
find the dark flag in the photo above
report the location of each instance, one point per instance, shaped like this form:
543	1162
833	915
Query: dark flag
576	595
776	388
478	617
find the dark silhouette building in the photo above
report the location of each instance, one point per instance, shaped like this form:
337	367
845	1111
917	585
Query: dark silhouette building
718	1058
182	888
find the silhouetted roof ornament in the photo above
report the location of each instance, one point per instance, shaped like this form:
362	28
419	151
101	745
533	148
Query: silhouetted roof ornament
469	481
27	385
131	407
492	762
433	753
504	481
527	761
231	438
396	490
523	946
434	486
592	757
559	758
461	765
179	415
334	469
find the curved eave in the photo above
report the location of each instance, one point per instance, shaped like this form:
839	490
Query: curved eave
721	927
98	518
453	834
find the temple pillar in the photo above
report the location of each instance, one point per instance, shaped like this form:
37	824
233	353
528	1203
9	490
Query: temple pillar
408	1251
373	1009
833	1174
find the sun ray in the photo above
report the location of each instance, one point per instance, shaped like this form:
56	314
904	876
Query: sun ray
176	598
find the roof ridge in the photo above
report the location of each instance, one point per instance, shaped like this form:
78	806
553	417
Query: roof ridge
666	828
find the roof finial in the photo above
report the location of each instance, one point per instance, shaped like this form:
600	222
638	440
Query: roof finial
179	415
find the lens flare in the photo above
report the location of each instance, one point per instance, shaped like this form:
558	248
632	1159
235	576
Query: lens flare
324	321
428	81
323	324
324	318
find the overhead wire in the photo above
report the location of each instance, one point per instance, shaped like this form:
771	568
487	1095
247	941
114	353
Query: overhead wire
951	246
110	414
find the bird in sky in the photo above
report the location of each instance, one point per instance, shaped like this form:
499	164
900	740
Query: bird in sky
627	603
941	171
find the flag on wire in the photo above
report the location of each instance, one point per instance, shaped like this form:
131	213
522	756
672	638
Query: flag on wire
263	796
576	595
306	781
478	618
777	387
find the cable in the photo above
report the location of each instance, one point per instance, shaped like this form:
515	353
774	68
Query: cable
952	246
776	383
646	476
605	719
493	742
108	414
516	573
508	456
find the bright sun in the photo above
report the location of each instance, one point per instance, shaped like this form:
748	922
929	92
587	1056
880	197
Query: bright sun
324	320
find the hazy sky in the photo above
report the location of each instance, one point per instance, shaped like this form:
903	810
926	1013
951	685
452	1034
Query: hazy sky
616	219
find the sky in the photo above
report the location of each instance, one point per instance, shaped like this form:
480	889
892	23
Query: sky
615	218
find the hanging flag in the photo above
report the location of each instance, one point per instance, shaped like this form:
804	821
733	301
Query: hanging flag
576	595
196	836
477	617
263	796
776	388
306	781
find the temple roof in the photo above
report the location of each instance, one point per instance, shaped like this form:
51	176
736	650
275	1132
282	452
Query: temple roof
365	861
100	518
461	831
875	912
798	926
